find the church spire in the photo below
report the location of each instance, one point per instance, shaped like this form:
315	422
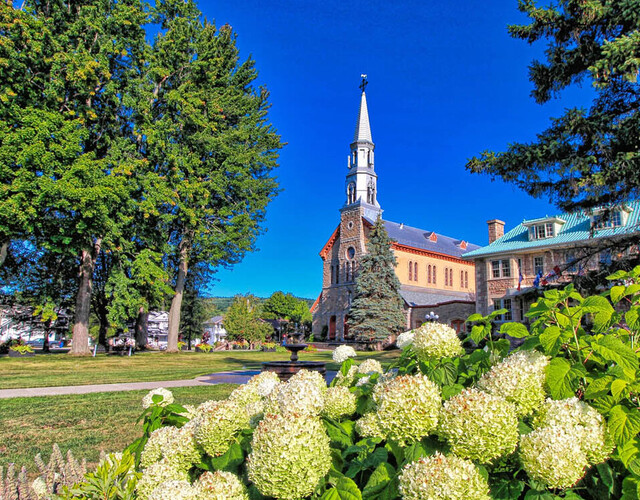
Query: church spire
361	182
363	129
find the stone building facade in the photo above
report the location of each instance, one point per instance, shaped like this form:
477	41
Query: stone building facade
546	251
433	275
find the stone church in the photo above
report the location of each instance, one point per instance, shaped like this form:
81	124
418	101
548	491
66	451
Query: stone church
433	276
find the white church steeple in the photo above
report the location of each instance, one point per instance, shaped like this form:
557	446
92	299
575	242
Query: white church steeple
362	181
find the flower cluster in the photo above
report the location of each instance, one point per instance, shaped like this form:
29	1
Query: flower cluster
339	402
552	456
173	490
167	398
408	407
289	455
302	394
343	352
177	446
368	426
156	474
220	485
217	425
519	378
581	420
405	339
346	380
434	341
265	382
370	366
479	426
444	478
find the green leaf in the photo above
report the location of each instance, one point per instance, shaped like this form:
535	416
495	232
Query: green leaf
539	495
337	433
601	310
344	489
446	374
552	339
507	489
474	317
563	377
379	480
630	487
613	349
374	459
606	475
617	275
617	292
230	460
632	318
617	387
415	452
515	330
624	424
629	451
478	332
598	387
604	404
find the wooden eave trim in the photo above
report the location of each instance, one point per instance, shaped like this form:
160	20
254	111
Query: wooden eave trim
461	301
428	253
329	244
315	304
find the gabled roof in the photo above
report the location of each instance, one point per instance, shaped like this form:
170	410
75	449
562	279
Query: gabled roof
415	298
426	240
575	230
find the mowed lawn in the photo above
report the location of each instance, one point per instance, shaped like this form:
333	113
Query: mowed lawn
83	423
48	370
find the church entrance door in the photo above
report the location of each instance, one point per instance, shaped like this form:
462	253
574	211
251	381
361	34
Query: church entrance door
332	328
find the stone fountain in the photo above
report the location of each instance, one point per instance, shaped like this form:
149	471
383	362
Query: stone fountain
286	369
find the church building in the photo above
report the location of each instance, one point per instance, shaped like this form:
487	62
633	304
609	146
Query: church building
433	275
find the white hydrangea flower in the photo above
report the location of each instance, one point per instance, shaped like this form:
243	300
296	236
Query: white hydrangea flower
265	382
167	397
217	424
177	446
190	411
552	456
581	421
363	381
304	394
440	477
479	426
408	407
434	341
39	487
339	402
368	426
173	490
519	378
343	352
289	455
405	339
156	474
220	484
370	366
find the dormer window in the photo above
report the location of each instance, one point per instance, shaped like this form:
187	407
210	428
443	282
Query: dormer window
542	229
616	218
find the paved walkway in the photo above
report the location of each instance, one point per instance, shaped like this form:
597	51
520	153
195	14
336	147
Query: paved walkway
233	377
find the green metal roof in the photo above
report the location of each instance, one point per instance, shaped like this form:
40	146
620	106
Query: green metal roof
577	229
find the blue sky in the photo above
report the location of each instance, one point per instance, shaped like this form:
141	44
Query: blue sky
446	82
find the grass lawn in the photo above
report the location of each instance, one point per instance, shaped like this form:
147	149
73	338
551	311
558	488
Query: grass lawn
84	423
48	370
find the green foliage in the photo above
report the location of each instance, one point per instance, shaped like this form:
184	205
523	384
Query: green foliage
242	321
287	307
377	310
587	157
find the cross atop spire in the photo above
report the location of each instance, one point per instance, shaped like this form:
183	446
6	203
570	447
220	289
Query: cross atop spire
364	83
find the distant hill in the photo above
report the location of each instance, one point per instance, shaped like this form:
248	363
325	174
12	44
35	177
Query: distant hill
222	303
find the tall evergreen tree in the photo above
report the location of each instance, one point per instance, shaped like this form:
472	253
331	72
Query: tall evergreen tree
587	157
377	310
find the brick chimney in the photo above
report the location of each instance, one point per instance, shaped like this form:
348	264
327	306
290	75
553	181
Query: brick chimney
496	229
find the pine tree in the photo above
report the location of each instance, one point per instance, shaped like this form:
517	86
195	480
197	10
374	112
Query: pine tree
377	310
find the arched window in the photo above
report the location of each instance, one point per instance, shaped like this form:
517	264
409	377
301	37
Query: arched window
450	277
434	274
333	273
337	274
415	271
429	274
466	279
410	271
462	279
347	272
446	276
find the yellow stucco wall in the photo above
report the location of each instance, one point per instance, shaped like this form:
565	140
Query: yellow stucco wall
440	263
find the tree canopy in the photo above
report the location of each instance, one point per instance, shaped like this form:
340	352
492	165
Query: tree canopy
587	157
242	320
377	310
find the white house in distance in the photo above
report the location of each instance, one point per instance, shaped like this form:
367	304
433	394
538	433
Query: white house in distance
215	329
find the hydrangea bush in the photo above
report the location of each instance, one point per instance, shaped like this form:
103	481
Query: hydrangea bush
555	418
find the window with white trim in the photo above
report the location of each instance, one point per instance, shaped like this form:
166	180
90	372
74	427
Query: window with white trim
501	268
538	265
503	304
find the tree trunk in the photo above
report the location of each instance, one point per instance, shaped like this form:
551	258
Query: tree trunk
4	250
80	346
176	302
47	331
142	329
102	332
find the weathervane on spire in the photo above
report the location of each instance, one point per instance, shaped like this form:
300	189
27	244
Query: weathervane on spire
364	83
